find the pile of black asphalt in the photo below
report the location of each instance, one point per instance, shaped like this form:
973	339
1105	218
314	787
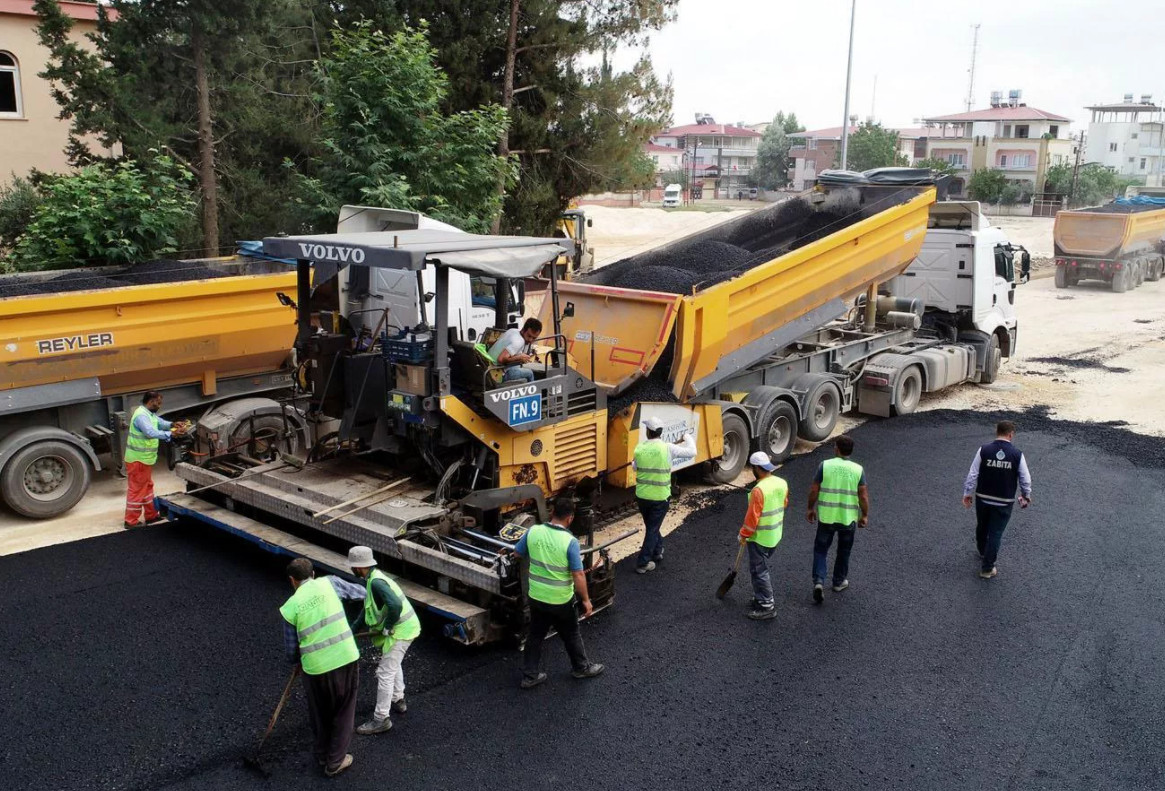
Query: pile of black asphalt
152	659
163	270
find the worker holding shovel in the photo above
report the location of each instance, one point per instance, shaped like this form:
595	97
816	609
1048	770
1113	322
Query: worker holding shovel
763	525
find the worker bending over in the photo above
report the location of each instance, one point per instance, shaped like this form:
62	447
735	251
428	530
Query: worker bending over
513	349
840	503
764	524
555	577
394	625
997	471
146	430
317	635
653	463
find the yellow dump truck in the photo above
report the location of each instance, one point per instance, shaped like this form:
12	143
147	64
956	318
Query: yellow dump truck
1121	243
74	364
439	459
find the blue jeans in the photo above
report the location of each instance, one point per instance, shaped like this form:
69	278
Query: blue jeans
821	544
990	522
758	567
653	512
516	373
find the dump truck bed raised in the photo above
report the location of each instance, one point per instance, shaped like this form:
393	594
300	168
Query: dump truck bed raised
1108	233
151	336
620	335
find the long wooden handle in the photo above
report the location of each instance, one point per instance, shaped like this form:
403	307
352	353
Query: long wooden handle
282	700
380	499
365	496
739	557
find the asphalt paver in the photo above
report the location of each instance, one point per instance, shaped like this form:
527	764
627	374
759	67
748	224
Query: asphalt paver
152	659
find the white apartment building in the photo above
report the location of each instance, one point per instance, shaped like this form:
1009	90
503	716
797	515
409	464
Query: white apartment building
1127	137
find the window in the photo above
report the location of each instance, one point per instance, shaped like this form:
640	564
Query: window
10	106
1133	136
1007	130
1021	161
1021	130
1112	146
1003	160
1142	163
955	159
1131	160
1054	130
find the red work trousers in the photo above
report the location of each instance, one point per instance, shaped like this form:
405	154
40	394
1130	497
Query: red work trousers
139	496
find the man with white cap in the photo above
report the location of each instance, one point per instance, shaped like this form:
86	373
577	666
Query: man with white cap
653	463
394	625
764	523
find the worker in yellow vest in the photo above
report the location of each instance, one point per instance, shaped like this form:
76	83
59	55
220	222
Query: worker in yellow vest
653	462
764	523
146	430
839	502
394	625
556	577
317	634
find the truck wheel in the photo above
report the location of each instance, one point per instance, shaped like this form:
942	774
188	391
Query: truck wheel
728	466
822	406
1138	275
1153	271
1061	277
1120	282
991	366
908	391
45	479
778	431
267	437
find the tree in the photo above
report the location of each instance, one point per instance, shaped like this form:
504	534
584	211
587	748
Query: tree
386	141
1094	183
872	146
939	166
772	156
986	185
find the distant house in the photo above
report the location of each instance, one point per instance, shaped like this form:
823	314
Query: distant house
719	158
1021	141
31	134
1127	137
817	150
667	159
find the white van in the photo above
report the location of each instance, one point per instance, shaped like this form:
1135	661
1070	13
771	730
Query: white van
673	196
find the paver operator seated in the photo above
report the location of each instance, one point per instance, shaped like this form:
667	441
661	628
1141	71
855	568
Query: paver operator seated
513	350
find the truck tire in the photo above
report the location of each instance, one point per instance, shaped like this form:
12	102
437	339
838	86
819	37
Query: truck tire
1120	282
778	431
908	390
1138	274
1153	270
732	461
822	406
992	362
268	429
45	479
1062	277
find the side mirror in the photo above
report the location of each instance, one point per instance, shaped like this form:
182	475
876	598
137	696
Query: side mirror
1025	267
590	223
286	301
429	296
568	311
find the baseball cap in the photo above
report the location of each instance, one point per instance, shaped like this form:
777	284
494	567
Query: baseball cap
653	424
761	459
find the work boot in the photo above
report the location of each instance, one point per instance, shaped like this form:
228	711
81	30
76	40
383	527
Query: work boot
344	764
818	592
986	575
838	587
763	612
156	519
644	569
529	682
374	726
130	525
399	706
590	671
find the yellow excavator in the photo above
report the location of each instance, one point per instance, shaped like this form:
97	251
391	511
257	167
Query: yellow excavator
573	224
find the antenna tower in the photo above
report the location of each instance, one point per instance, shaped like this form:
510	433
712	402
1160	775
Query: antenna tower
971	71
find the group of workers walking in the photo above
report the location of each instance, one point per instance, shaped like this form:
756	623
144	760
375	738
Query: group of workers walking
319	636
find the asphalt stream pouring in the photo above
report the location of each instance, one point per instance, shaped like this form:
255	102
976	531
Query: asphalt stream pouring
152	659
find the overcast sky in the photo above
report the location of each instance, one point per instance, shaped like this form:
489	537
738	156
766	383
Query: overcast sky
742	60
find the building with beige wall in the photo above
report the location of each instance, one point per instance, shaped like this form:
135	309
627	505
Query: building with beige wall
31	134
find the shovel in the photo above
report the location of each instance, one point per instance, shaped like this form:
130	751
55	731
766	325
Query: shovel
726	586
252	760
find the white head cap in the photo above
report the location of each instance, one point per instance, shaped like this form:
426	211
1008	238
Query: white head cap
653	424
761	459
361	558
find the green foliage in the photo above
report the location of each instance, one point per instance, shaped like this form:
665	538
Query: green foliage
1095	183
772	156
19	200
986	185
872	146
1011	194
680	177
386	141
108	214
939	166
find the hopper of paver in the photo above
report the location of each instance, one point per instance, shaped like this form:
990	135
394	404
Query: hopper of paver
800	265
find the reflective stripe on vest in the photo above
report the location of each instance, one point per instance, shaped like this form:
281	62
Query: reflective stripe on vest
407	626
771	525
138	446
653	470
550	577
837	501
325	639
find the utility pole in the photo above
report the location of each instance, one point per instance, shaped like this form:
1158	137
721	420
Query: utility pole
849	70
1076	170
974	52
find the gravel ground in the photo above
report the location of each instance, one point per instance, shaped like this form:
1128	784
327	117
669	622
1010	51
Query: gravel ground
151	659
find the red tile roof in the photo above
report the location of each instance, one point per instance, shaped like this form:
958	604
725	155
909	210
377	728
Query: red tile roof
834	132
652	148
1021	113
709	129
72	8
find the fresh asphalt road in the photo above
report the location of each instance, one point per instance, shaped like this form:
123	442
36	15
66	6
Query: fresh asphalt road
152	659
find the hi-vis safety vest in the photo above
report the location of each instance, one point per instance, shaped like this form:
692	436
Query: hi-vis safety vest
407	626
653	470
838	503
771	524
550	578
139	447
325	639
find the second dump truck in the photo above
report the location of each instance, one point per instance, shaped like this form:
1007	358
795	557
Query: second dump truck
1121	243
425	454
